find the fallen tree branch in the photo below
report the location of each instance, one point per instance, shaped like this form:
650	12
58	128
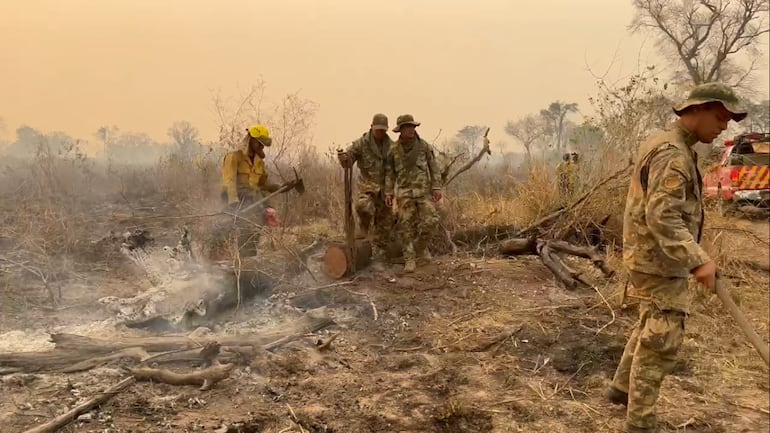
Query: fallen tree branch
555	265
79	353
445	171
135	353
553	215
495	339
472	162
519	246
205	378
324	345
69	416
548	251
585	252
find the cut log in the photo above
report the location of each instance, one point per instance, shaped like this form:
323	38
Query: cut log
31	362
515	247
339	263
475	235
78	352
310	322
66	418
205	378
133	353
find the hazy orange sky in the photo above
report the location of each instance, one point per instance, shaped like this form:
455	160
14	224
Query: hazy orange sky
75	65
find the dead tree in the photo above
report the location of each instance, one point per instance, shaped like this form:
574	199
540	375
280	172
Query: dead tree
706	36
550	253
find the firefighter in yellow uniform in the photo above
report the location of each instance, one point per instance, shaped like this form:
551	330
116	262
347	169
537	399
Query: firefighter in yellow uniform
244	182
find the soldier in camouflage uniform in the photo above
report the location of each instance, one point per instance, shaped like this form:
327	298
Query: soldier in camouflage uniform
371	151
661	233
413	178
565	171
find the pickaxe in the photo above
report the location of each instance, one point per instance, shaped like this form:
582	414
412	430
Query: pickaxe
296	184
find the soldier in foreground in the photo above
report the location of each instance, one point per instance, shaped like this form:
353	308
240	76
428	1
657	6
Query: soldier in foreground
371	151
244	181
662	228
414	178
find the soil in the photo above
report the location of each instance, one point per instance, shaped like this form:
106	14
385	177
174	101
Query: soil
418	352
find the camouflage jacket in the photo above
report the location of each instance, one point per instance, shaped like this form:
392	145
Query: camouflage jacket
663	219
412	170
371	158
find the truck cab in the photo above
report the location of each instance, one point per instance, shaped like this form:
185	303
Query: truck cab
741	175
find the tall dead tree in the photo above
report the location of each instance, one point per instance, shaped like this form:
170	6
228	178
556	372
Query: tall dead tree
715	40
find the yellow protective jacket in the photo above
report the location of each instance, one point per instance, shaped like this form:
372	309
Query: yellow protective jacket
242	178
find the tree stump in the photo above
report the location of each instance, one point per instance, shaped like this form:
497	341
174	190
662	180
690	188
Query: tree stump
338	261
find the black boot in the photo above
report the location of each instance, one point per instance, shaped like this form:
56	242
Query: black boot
616	396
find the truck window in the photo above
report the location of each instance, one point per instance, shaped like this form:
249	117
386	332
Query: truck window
750	154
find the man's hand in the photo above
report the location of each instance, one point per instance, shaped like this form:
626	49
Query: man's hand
706	274
343	158
436	195
389	200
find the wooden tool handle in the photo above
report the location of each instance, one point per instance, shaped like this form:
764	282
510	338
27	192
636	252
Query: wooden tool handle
743	322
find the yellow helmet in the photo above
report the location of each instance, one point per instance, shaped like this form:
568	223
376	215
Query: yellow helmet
261	133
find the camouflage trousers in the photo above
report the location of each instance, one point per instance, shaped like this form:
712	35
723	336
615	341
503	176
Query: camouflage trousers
417	223
650	353
375	219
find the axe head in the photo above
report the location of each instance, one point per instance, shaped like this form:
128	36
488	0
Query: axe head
299	186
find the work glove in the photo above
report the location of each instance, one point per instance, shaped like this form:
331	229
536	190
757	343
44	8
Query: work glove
271	217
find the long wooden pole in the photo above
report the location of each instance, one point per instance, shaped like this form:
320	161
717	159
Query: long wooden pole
743	322
350	228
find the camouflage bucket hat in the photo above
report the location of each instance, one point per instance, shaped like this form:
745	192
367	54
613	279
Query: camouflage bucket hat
380	121
405	119
713	92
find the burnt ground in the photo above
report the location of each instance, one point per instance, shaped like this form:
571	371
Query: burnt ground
464	345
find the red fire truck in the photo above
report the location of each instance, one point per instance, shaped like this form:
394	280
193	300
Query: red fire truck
741	175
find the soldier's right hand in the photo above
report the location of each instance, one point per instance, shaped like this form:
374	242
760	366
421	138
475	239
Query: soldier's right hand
343	158
706	274
389	200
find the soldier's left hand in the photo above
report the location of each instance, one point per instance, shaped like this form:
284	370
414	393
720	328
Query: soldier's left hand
436	195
